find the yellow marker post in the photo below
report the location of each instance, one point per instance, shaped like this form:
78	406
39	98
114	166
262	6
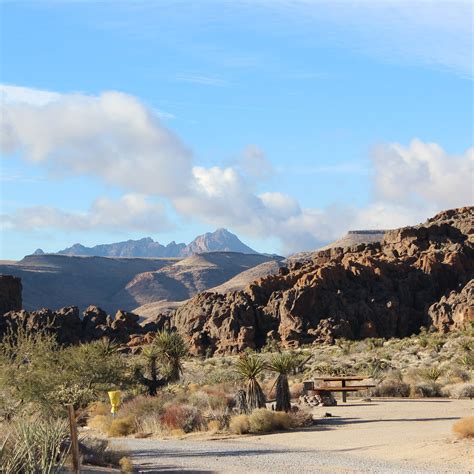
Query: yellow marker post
115	399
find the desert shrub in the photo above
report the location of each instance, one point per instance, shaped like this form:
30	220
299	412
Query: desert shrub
432	374
425	389
457	374
100	423
78	395
239	424
464	428
98	408
459	390
265	421
28	367
126	465
467	360
121	427
184	417
35	370
213	426
34	445
301	418
391	388
374	343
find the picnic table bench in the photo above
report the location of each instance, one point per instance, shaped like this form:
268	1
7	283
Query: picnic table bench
343	387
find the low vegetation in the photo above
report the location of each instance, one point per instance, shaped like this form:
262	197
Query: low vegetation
167	393
464	428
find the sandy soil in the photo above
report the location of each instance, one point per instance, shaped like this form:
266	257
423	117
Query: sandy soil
384	435
412	431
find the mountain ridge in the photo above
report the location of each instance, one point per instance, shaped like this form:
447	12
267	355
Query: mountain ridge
221	240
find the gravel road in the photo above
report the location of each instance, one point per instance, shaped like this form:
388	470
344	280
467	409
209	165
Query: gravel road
243	456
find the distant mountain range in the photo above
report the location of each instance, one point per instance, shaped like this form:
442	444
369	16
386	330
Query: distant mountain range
54	281
219	241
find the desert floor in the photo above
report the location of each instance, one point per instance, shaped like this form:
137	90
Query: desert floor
383	435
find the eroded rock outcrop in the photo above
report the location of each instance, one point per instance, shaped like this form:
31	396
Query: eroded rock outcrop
70	328
384	289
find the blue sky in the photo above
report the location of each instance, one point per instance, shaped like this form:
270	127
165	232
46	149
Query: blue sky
288	122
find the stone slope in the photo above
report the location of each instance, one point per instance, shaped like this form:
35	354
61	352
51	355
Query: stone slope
54	281
369	290
189	276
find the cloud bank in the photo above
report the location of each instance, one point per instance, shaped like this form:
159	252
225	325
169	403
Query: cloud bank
116	138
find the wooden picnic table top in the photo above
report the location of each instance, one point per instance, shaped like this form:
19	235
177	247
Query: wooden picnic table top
341	378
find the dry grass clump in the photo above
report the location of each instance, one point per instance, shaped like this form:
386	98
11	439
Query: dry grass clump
126	466
100	423
426	390
239	424
459	390
121	427
213	426
266	421
464	428
391	388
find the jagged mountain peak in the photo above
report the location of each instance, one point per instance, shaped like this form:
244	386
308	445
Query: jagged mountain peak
221	240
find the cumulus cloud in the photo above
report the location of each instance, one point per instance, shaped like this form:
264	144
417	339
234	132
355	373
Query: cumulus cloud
114	137
423	173
130	212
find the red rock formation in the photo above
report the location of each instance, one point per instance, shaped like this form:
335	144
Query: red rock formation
373	290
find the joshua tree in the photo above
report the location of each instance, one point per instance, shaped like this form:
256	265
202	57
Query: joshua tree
249	367
283	364
153	382
170	348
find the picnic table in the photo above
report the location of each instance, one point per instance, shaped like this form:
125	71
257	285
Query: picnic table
343	387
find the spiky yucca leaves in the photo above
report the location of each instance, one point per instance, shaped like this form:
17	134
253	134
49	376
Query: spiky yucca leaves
171	349
249	367
283	364
34	445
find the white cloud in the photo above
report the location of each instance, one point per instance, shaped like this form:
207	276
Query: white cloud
116	138
130	212
255	164
423	173
112	136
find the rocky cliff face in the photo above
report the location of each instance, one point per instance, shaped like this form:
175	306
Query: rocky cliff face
10	293
417	276
386	289
95	324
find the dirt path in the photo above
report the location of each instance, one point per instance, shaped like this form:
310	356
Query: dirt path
378	436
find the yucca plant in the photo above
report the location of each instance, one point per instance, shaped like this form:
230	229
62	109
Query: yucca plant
171	349
152	382
283	364
249	367
33	446
432	374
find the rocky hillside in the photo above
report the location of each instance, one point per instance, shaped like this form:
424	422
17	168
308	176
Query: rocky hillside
353	237
54	281
381	289
190	276
219	241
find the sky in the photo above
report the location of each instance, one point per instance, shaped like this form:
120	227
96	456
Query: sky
287	122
